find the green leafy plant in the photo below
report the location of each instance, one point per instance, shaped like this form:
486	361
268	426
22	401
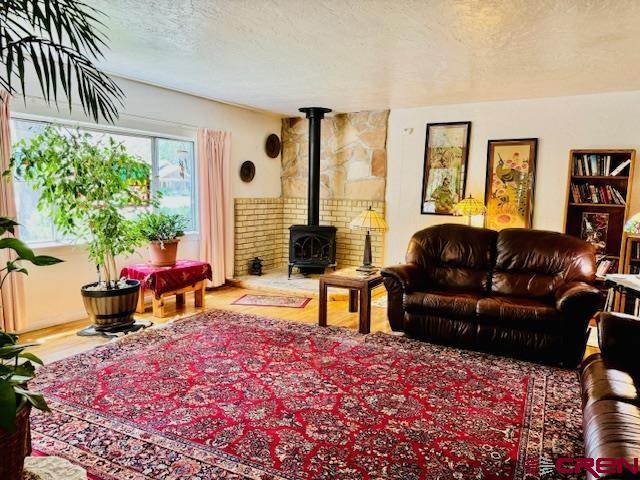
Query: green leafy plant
59	40
161	227
17	366
86	186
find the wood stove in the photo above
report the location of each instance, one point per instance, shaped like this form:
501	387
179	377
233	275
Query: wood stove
312	247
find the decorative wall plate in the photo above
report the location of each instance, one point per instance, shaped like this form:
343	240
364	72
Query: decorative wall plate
273	146
247	171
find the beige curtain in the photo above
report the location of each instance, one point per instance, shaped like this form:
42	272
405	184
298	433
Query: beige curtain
12	314
214	158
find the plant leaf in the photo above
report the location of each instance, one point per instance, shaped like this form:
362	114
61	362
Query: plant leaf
35	398
7	406
32	357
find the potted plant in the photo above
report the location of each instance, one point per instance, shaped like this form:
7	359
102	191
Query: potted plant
86	187
163	230
16	366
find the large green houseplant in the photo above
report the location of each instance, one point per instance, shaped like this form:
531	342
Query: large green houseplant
16	365
87	186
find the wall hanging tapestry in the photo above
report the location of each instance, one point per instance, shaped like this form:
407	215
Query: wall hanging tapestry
225	395
445	166
511	166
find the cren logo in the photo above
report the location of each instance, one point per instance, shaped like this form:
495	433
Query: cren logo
595	466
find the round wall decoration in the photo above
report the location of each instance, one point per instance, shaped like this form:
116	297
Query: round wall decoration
247	171
273	146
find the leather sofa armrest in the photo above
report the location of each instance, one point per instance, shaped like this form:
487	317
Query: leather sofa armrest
578	300
408	274
619	337
399	279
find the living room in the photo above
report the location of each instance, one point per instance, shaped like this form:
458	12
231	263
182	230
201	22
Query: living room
350	240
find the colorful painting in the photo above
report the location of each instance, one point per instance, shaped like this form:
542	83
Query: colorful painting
445	166
510	182
594	229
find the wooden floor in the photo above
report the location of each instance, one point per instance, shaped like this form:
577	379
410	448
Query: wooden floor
61	341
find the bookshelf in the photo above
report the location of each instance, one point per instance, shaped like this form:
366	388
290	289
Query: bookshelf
598	195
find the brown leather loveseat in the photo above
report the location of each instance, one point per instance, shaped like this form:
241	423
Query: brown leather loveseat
610	383
517	292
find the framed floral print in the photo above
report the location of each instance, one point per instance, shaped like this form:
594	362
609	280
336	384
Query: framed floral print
445	166
511	167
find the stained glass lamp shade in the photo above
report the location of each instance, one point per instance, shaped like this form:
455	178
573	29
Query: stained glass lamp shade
369	221
470	206
633	225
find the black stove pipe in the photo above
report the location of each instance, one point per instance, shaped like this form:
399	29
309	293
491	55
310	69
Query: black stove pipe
315	116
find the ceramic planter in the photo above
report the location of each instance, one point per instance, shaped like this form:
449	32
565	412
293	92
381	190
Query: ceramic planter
109	309
163	257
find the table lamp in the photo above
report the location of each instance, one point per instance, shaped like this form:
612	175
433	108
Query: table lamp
368	220
633	225
469	206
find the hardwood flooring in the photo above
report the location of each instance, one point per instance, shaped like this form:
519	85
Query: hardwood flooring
61	341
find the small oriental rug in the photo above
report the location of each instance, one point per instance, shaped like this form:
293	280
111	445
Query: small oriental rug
272	301
224	395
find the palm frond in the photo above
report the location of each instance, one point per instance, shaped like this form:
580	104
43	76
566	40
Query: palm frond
60	40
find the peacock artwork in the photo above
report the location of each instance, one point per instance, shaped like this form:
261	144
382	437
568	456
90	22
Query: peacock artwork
445	167
510	182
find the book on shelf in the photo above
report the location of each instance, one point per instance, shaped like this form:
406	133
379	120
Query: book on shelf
606	265
591	165
589	193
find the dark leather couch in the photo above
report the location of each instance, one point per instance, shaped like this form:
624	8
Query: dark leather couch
610	383
517	292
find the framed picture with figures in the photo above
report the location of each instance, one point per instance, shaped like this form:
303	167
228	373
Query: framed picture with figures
445	167
511	172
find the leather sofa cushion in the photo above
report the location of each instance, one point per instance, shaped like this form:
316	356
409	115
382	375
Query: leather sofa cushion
612	430
454	256
533	263
520	313
447	304
602	380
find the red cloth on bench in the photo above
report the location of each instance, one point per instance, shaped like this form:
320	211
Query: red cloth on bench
165	279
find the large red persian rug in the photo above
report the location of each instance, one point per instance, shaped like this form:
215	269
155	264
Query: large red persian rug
229	396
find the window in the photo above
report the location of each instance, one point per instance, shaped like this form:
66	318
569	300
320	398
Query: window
172	163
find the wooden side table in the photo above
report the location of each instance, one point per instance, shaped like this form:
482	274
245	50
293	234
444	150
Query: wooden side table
182	277
359	285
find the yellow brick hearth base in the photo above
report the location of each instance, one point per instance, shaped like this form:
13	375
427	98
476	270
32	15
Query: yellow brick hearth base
262	230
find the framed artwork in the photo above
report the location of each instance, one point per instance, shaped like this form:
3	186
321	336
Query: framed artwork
445	166
594	229
511	172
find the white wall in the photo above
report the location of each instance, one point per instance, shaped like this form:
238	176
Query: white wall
53	293
560	124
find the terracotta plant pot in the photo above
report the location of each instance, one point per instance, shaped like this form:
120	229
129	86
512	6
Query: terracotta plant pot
109	309
16	445
163	257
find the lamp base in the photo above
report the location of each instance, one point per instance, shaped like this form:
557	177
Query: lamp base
368	269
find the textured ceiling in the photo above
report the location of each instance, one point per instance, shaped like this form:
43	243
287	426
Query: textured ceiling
352	55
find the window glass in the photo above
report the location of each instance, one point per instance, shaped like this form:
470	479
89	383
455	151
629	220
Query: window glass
172	163
175	178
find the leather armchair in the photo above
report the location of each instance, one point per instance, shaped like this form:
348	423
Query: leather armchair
524	293
610	382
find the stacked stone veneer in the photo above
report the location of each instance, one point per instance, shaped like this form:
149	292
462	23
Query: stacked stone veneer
262	230
353	156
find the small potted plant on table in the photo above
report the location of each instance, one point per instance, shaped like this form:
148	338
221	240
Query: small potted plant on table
16	366
163	230
87	187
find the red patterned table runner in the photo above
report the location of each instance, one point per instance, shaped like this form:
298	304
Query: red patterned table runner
166	279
